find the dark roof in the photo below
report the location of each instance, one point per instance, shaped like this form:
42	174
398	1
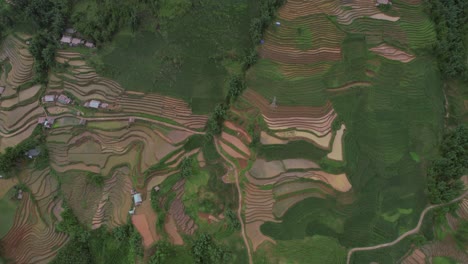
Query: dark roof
33	152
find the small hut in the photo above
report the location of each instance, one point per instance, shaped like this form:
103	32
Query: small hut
137	199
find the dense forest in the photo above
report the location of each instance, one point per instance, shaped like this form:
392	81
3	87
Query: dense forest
451	22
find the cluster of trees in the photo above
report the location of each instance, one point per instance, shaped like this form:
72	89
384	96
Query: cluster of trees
451	20
444	174
236	87
233	222
206	251
267	13
186	168
48	17
13	156
87	246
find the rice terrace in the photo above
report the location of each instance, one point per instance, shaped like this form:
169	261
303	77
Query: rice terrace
234	131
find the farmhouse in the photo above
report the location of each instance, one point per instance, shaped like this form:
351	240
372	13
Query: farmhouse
65	40
383	2
48	98
137	199
63	99
75	42
93	104
89	44
46	121
32	153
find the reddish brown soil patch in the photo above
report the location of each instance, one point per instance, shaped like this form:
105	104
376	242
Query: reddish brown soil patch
417	257
392	53
171	230
236	142
290	164
255	235
141	224
177	210
262	169
239	130
337	147
230	151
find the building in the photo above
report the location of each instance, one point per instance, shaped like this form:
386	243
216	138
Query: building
66	40
63	99
93	104
2	89
156	188
48	98
383	2
32	153
75	42
48	122
104	105
137	199
132	212
89	44
20	195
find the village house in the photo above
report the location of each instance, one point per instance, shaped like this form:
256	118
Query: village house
89	44
66	40
32	153
2	89
48	122
383	2
63	99
48	98
93	104
75	42
137	199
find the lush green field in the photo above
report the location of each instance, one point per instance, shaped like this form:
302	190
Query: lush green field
393	127
189	56
7	216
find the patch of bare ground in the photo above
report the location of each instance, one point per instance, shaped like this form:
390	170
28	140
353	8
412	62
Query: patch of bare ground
209	218
337	147
22	96
177	210
416	257
321	142
236	142
171	229
392	53
201	159
230	151
255	235
290	164
141	224
267	139
240	131
178	136
382	16
263	169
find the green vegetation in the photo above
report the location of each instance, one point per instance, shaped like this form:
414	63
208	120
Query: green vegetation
7	217
95	179
450	17
122	245
14	157
233	221
444	174
461	236
206	251
293	150
443	260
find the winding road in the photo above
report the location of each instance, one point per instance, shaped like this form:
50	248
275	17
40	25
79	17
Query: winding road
403	236
239	210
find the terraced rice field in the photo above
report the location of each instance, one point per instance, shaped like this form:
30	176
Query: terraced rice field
31	240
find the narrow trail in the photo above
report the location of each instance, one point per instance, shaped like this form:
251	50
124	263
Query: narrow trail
239	191
410	232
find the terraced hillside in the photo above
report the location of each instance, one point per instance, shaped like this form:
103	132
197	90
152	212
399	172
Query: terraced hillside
345	77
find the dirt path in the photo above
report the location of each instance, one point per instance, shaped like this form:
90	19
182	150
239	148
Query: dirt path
239	210
410	232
